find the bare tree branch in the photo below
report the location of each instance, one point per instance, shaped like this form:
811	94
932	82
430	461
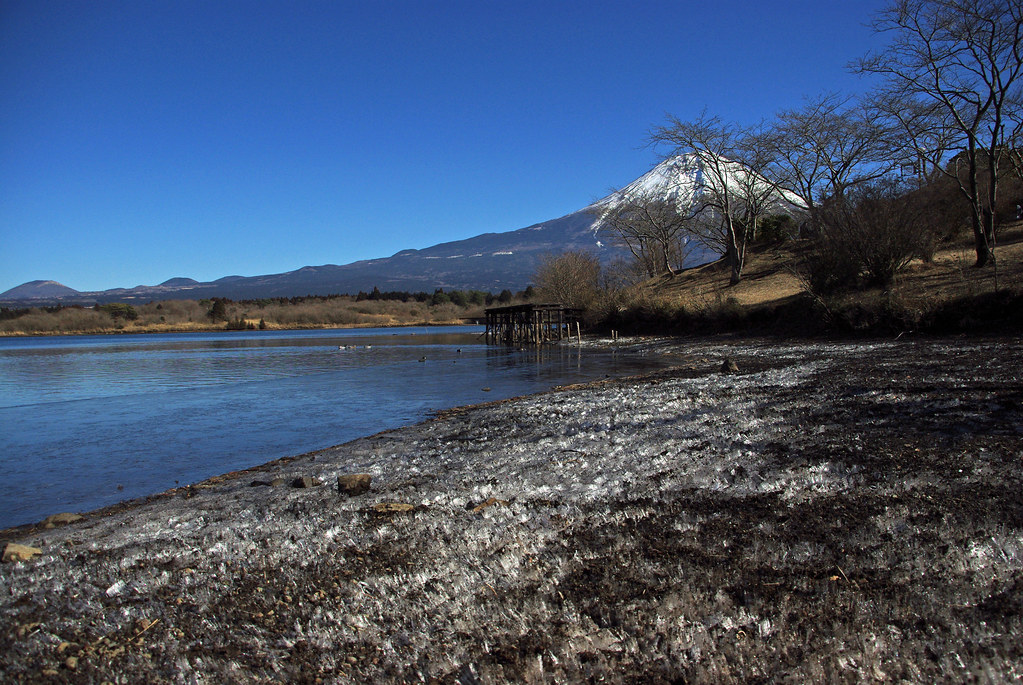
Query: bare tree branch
960	63
735	194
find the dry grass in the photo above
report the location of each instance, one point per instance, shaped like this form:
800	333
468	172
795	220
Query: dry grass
191	315
951	274
771	279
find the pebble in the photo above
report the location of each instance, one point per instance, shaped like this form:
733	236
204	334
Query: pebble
392	507
354	484
15	552
61	519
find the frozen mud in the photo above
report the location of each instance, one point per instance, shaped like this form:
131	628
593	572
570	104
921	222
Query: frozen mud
830	512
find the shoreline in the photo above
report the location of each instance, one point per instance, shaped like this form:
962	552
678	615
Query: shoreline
11	533
830	508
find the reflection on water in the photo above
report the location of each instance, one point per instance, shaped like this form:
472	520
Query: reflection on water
86	421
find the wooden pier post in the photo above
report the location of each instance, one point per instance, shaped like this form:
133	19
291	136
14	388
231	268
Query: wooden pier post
534	324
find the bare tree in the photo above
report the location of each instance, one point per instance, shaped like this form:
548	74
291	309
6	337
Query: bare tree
829	145
653	230
920	137
964	59
1014	141
735	195
571	278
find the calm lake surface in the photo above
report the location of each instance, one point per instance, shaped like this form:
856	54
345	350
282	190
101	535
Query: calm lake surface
87	421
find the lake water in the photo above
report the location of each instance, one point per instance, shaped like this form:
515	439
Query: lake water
87	421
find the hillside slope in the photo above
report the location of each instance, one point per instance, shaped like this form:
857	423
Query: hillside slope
771	281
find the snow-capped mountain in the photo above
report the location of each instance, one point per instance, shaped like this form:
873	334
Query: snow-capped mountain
490	261
686	181
676	179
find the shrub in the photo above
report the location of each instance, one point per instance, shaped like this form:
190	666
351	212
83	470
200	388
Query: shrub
873	231
777	229
572	279
830	266
117	310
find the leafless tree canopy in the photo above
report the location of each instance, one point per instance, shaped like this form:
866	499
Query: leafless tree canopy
952	79
572	279
736	195
830	144
654	231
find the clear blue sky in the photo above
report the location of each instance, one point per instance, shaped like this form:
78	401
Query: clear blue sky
146	139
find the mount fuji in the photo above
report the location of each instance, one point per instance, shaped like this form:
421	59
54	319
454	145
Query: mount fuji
491	261
683	181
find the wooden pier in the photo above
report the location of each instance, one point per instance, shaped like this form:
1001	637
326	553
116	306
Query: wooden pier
532	324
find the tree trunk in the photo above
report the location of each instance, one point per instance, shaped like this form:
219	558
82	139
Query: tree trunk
734	253
735	260
993	154
979	217
981	240
667	262
736	274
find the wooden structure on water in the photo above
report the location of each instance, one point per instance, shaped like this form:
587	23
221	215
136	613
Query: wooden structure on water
532	324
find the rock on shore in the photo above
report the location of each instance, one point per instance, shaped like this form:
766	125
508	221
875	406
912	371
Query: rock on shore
822	511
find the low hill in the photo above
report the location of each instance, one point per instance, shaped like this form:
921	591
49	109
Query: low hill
35	290
179	282
772	292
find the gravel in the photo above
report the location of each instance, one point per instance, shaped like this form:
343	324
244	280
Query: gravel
841	512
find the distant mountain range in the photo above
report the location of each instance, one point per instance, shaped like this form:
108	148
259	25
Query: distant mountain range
490	262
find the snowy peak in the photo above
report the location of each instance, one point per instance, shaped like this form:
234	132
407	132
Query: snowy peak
684	179
675	179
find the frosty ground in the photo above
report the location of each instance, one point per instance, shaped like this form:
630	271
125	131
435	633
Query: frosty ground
830	512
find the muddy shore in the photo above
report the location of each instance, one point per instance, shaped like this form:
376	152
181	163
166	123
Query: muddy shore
829	512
